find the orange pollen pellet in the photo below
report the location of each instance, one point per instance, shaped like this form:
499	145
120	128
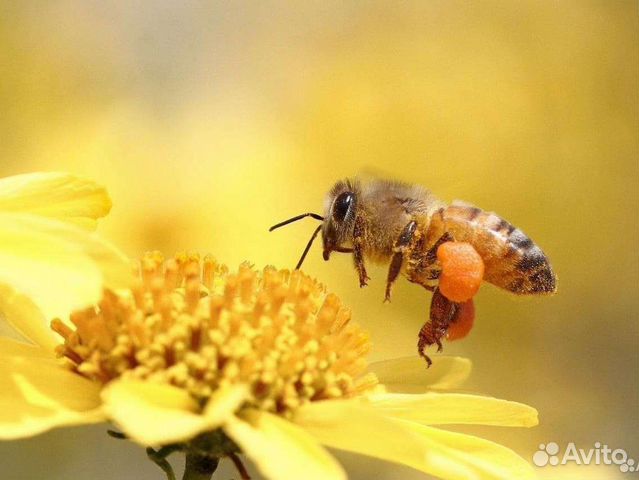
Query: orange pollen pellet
462	271
463	323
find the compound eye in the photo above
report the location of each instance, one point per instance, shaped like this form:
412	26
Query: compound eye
342	205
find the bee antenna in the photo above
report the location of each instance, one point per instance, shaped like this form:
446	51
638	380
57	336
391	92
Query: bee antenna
295	219
308	247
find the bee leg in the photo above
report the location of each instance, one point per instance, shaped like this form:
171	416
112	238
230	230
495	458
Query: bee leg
402	244
431	255
442	313
358	251
422	267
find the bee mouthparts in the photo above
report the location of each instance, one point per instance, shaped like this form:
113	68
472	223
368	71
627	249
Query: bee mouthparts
326	254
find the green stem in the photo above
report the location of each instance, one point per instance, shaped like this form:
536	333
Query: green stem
159	458
199	467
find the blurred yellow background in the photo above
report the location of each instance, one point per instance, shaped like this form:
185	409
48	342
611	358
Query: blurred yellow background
209	122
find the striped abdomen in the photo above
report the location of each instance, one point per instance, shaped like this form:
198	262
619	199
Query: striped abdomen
511	258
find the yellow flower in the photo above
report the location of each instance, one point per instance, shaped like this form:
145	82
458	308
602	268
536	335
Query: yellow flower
264	361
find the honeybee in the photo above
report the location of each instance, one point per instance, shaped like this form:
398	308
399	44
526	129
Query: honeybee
403	225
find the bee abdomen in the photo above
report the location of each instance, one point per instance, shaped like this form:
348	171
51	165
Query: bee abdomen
536	275
512	260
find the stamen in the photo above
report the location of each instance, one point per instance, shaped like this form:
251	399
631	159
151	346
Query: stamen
190	323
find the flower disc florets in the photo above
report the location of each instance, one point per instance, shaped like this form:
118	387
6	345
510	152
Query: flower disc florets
194	325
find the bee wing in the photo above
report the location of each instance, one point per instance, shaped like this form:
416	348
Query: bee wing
369	172
462	203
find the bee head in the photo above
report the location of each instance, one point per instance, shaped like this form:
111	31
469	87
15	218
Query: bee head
338	223
339	217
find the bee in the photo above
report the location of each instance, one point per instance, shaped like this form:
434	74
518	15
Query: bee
403	225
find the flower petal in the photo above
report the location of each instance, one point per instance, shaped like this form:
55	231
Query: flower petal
55	194
10	348
59	266
409	374
25	317
157	414
447	408
38	394
353	426
282	450
451	452
224	403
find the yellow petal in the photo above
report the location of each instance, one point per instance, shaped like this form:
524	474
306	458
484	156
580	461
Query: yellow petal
224	403
453	453
25	317
156	414
10	348
38	394
447	408
281	450
59	266
55	194
409	374
352	426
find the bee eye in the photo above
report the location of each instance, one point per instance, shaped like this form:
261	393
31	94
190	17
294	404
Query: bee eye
342	205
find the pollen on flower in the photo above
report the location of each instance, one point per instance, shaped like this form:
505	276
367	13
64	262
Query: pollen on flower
192	324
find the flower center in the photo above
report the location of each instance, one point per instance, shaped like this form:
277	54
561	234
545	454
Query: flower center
192	324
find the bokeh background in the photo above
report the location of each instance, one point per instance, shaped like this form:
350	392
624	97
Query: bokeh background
211	121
